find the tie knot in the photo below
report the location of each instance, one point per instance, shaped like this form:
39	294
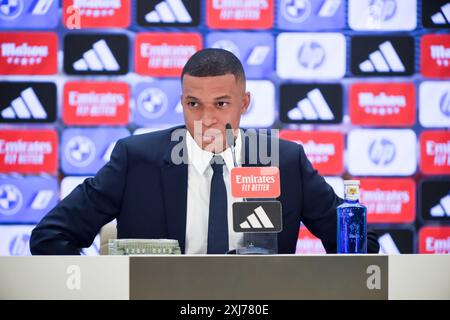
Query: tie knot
217	164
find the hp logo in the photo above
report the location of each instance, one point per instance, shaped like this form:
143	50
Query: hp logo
382	152
380	11
296	11
311	55
444	104
18	246
152	103
10	199
80	151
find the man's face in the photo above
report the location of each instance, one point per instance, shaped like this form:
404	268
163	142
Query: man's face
209	103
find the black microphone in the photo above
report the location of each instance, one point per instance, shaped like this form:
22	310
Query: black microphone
231	142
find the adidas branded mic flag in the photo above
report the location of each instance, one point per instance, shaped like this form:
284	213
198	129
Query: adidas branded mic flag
260	221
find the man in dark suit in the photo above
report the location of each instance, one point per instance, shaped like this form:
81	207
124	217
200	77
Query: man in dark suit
175	183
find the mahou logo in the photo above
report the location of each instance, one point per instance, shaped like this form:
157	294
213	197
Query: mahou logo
164	54
434	240
389	200
96	13
307	243
232	14
382	104
435	152
96	103
32	53
28	151
435	55
323	149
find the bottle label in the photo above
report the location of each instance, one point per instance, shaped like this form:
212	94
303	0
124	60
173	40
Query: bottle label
351	192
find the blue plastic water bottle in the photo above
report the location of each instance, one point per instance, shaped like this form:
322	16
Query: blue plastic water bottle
351	221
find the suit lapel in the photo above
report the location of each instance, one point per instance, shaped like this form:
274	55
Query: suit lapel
250	145
175	185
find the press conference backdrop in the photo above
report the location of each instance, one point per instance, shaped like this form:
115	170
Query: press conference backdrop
363	85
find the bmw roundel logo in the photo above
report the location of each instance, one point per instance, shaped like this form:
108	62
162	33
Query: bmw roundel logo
296	11
380	11
80	151
10	9
11	199
152	103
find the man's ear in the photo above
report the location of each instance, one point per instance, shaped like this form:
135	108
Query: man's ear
246	102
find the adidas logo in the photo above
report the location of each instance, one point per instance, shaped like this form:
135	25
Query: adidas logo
387	245
257	220
384	60
27	106
313	107
98	58
169	11
442	17
443	208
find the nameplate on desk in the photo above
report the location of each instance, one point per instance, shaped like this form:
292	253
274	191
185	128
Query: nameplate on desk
259	277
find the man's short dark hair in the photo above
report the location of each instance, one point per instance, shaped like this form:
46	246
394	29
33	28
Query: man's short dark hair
213	62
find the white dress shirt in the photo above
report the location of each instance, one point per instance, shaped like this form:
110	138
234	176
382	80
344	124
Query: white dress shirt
199	186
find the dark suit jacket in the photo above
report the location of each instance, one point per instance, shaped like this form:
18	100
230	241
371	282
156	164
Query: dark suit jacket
147	193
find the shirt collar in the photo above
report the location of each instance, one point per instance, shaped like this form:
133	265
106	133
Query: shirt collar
200	158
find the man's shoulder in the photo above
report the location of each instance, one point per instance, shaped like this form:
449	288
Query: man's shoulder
153	137
155	142
272	138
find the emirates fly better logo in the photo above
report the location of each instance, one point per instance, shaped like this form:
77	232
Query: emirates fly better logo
435	152
434	240
28	151
96	103
250	14
389	200
164	54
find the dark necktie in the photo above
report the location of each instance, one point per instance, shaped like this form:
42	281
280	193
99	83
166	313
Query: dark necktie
218	222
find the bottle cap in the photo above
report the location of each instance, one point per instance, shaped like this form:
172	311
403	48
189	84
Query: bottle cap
351	182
